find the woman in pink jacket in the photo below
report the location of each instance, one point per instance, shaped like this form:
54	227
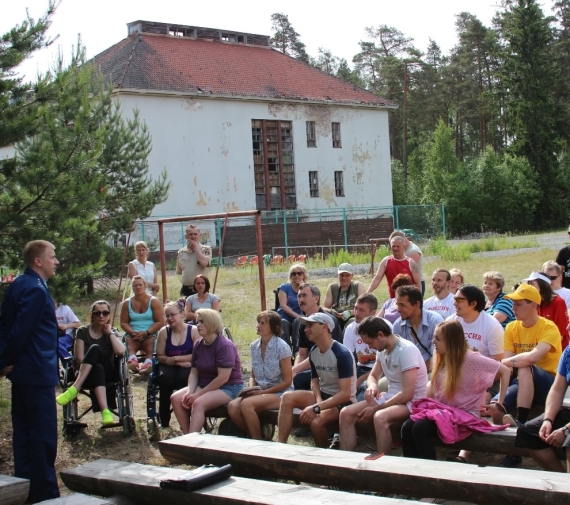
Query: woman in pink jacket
456	394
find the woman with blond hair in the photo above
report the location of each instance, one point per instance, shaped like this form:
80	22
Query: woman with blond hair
215	378
497	305
289	309
146	269
456	394
457	280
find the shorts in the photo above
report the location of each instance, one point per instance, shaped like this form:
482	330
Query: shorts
152	335
280	394
232	390
542	382
494	389
527	434
326	396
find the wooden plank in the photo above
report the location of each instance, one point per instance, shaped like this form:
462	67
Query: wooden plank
13	490
419	478
78	499
141	483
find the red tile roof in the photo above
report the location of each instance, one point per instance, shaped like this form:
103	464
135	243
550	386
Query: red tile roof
183	64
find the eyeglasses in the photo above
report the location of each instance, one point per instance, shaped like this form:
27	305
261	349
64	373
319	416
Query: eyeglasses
99	313
171	315
297	273
459	299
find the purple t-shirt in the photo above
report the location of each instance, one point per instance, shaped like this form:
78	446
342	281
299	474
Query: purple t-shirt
222	353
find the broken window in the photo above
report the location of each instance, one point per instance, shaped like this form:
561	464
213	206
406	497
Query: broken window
314	183
311	136
336	134
338	183
273	164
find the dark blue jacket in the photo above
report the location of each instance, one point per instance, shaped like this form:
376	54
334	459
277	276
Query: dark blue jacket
28	332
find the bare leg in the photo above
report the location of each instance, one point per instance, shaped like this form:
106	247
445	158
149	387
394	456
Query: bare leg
84	371
148	347
207	401
319	426
526	388
383	420
289	401
347	425
234	411
251	405
547	459
182	413
133	346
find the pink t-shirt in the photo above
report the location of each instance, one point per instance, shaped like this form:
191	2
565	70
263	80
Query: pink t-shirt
477	374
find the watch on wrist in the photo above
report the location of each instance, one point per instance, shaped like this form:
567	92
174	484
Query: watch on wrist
316	409
565	431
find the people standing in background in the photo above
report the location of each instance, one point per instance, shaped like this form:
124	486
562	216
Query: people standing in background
563	259
146	269
192	260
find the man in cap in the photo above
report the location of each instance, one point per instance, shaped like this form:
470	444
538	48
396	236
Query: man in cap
333	382
563	259
341	296
532	351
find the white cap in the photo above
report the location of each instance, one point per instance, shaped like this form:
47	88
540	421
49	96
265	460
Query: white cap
320	317
345	268
537	275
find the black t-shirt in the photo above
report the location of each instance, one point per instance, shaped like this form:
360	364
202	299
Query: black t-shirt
563	259
306	344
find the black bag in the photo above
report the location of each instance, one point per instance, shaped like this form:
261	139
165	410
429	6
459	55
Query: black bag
197	479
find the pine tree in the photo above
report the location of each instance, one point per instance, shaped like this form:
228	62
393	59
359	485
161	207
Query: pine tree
286	39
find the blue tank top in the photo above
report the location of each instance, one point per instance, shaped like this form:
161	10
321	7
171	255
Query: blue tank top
141	322
178	350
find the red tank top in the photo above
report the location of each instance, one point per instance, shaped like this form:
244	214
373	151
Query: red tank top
395	267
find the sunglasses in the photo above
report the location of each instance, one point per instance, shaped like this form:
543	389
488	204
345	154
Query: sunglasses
296	273
98	313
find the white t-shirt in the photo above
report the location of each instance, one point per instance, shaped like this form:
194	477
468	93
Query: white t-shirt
404	356
484	335
353	342
444	308
65	315
564	293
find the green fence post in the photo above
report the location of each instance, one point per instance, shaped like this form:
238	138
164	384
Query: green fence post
142	232
285	232
344	229
397	217
443	220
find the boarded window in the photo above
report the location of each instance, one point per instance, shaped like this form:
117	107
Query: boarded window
336	134
314	183
311	136
273	164
338	183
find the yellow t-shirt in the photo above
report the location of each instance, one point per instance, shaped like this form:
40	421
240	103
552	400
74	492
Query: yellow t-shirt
519	339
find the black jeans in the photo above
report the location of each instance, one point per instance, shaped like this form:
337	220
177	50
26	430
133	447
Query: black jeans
170	379
416	439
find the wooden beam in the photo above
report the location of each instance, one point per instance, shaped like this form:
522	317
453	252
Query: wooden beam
13	491
141	483
419	478
78	499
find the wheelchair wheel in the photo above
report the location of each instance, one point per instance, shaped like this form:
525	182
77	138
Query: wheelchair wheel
227	333
153	430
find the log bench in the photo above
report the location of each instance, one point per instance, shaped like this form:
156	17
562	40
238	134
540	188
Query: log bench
350	471
77	499
13	490
141	483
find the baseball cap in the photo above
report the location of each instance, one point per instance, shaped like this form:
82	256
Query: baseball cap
525	292
538	275
345	268
319	317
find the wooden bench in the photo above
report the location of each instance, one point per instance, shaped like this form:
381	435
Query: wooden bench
78	499
141	483
349	470
13	490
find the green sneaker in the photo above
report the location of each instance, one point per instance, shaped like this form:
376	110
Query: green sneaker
67	396
107	417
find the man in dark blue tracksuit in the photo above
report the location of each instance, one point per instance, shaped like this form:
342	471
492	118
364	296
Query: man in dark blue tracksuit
28	357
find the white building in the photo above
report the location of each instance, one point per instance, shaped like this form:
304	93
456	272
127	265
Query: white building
240	126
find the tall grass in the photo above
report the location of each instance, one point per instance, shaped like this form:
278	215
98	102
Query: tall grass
463	251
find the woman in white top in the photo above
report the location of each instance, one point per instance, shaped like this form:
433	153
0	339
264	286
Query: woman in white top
203	299
141	266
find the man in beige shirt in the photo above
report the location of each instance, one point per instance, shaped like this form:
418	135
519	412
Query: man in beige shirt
192	260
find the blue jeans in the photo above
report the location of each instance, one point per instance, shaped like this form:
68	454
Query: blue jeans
232	390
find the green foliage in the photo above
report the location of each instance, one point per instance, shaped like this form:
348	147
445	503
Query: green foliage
286	39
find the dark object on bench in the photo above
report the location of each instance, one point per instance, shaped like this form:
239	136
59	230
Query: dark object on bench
197	479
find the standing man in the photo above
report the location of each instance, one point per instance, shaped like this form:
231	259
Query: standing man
333	383
412	251
415	324
341	296
442	300
192	260
397	263
563	259
554	270
28	357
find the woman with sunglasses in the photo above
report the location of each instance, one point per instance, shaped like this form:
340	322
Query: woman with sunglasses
141	317
289	309
174	346
202	299
96	345
215	378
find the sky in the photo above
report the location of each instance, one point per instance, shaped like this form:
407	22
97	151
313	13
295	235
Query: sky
336	27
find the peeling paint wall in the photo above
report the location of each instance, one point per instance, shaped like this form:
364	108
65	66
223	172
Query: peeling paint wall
206	147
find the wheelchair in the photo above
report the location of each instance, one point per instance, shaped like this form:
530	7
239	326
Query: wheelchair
119	399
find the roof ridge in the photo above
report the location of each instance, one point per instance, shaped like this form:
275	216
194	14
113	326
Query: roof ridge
129	60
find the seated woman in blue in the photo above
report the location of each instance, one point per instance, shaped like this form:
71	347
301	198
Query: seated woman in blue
271	371
202	299
174	352
289	309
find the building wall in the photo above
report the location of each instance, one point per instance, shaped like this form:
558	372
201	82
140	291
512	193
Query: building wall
206	147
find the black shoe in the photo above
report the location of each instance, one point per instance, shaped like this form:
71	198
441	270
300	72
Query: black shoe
510	462
302	432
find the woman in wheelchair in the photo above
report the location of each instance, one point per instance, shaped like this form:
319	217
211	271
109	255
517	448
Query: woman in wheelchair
142	316
215	378
174	353
271	372
203	299
96	346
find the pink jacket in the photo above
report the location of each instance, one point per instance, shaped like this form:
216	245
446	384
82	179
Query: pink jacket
453	424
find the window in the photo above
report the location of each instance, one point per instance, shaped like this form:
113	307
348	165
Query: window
336	134
338	183
311	137
314	183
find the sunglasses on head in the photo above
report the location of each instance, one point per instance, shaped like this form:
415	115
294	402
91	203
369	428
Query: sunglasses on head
98	313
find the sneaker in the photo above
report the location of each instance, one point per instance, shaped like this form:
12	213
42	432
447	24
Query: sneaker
510	462
146	368
510	420
107	417
67	396
133	365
